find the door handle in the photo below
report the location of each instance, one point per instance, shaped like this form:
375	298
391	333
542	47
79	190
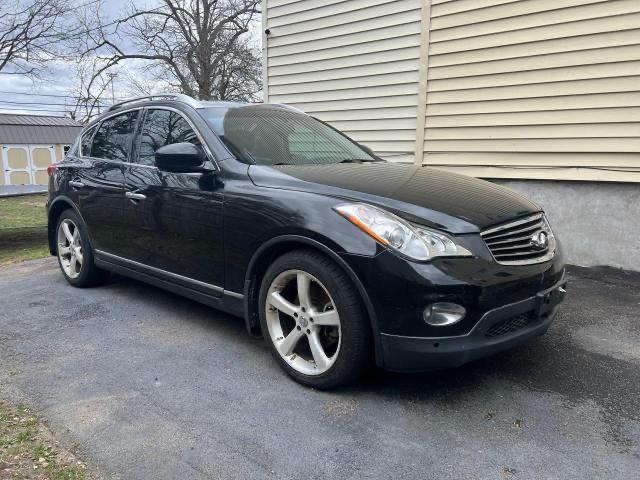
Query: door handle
135	196
76	184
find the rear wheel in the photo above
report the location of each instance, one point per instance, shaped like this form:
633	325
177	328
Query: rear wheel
75	255
313	320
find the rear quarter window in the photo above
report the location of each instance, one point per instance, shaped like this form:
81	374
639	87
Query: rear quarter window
85	142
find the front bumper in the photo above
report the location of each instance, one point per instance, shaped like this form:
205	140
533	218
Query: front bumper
499	329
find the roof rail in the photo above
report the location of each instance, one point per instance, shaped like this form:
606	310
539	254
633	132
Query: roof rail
287	107
179	97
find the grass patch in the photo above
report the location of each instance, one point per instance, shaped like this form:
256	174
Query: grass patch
27	449
23	231
17	245
23	211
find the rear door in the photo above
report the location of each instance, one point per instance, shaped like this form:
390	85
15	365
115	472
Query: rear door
174	219
99	181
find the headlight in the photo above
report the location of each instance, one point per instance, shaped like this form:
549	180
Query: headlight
552	237
415	242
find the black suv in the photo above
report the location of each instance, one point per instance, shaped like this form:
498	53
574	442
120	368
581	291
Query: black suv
338	258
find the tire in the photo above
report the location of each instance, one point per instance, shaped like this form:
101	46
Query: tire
332	297
74	252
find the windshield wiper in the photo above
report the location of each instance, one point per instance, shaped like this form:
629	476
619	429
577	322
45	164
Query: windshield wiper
346	160
356	160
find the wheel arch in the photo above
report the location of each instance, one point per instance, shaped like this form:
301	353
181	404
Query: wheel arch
59	205
275	247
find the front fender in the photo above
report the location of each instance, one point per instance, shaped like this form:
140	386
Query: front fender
262	258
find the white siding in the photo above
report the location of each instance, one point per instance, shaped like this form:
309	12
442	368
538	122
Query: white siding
534	88
353	63
496	88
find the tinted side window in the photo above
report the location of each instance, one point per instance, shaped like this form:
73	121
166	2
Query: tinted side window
113	139
160	128
85	142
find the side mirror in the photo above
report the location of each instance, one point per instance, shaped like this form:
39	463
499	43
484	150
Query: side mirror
182	157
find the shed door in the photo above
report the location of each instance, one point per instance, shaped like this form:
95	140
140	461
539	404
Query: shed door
41	157
26	164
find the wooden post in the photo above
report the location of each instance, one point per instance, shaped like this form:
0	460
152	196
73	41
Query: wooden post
421	110
265	55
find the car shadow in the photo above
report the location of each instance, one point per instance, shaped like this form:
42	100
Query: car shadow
445	384
552	364
410	385
185	309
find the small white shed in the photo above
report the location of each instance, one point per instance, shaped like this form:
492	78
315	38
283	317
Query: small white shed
30	143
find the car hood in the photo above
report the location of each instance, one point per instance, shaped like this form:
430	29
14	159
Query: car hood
448	201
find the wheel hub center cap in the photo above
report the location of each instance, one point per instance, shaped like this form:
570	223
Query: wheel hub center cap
303	321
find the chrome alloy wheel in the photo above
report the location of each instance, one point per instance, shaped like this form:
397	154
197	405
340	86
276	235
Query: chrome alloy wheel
70	248
303	322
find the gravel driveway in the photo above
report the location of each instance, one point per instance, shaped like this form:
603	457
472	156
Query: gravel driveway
146	384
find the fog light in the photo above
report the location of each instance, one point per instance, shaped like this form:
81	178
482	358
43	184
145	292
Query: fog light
443	313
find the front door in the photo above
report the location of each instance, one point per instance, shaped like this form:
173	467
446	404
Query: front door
175	219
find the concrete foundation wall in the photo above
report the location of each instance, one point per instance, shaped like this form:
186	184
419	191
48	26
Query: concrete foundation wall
598	223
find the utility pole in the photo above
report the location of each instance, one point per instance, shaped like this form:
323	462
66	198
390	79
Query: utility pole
111	77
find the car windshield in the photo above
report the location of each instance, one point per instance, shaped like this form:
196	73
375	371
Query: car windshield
273	135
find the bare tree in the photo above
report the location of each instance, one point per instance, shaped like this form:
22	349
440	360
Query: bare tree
31	32
240	76
90	91
197	47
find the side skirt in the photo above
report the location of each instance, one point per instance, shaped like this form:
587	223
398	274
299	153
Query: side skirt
229	302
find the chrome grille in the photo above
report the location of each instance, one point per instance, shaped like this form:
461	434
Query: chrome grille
513	243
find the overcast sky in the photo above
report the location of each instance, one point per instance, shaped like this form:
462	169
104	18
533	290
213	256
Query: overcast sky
48	96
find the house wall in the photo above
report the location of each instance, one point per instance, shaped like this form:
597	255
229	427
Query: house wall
537	89
352	63
534	88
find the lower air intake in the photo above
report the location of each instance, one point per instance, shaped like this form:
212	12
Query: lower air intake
509	325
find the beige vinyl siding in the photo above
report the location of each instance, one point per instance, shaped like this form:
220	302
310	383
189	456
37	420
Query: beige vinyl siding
544	89
353	63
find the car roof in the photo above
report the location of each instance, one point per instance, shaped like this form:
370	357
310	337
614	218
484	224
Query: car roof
173	99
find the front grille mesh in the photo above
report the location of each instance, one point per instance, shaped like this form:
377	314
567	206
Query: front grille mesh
509	325
510	244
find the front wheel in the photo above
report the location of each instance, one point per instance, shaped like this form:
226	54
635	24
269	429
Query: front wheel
75	255
312	319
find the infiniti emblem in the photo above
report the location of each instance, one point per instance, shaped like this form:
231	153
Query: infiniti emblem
539	240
